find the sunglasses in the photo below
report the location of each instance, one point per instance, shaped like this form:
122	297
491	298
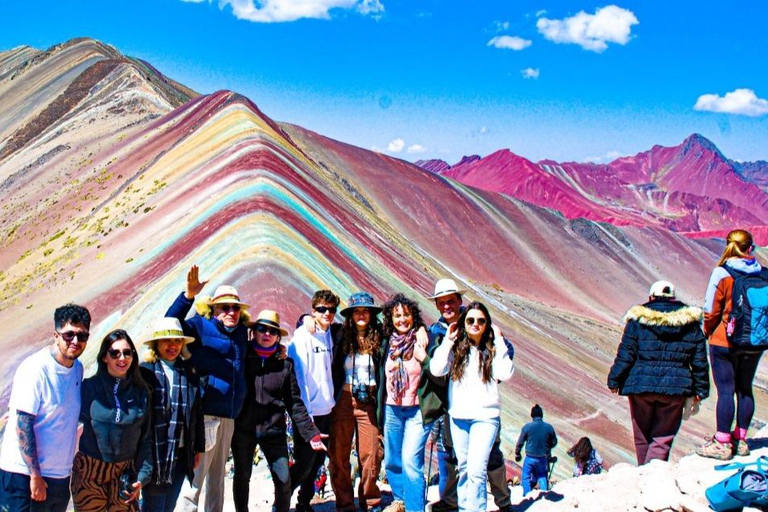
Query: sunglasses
323	309
115	353
263	329
226	308
472	321
69	336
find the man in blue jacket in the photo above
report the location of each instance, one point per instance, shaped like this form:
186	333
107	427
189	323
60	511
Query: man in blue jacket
218	354
539	438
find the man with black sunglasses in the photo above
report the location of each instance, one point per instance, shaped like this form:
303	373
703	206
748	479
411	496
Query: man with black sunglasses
312	349
39	443
218	354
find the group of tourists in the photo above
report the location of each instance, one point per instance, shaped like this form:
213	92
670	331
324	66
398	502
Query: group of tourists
157	434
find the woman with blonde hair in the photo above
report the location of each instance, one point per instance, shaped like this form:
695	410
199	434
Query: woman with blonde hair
733	368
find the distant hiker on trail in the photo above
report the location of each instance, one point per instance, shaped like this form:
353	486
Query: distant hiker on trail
539	438
586	459
41	434
178	429
272	390
218	354
448	298
313	348
475	358
661	360
408	403
734	365
354	415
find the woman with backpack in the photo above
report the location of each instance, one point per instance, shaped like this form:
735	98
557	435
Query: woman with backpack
733	367
586	459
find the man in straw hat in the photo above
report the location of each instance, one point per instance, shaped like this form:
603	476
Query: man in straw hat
40	440
448	299
177	413
221	339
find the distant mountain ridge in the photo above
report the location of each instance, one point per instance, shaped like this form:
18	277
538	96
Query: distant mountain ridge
689	188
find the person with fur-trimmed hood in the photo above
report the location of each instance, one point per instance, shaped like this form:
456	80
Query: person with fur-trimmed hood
661	361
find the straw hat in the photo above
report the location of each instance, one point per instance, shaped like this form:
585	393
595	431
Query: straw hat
270	319
446	287
226	294
167	329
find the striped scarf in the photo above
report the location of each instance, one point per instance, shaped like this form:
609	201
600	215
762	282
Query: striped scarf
169	412
400	350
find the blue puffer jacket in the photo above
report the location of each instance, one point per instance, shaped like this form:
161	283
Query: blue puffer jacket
218	356
663	351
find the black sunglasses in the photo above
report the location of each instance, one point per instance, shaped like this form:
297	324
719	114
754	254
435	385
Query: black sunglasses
226	308
471	321
69	336
116	353
323	309
264	329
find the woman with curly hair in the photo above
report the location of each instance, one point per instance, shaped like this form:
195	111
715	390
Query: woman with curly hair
408	403
354	414
475	364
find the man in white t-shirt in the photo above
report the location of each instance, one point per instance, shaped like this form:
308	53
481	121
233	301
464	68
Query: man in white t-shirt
41	435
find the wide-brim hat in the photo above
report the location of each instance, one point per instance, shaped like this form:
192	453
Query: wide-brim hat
360	300
446	287
662	289
271	319
167	329
226	294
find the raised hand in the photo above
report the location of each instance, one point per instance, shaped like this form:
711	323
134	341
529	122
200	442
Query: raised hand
194	285
453	333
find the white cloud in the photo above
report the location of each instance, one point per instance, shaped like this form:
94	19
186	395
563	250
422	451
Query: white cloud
530	73
741	101
541	13
510	42
416	149
610	24
272	11
396	145
610	156
483	130
501	26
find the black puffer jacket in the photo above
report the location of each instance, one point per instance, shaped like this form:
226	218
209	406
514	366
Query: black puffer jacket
271	390
663	350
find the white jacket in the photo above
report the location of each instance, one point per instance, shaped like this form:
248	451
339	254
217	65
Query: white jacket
312	360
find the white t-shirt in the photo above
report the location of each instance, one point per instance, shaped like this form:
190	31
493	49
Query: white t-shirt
51	392
359	369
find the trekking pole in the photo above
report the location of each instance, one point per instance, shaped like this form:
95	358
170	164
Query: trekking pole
552	462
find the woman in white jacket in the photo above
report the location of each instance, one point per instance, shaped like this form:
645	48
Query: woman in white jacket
475	364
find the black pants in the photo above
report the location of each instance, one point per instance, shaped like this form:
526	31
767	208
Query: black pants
15	494
275	449
307	461
733	372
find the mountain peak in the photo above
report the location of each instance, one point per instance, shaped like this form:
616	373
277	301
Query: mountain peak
699	141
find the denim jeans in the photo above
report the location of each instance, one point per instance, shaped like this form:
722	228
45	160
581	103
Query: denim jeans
534	471
405	438
472	442
15	494
162	498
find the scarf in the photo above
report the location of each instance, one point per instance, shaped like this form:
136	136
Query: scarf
169	411
400	350
265	352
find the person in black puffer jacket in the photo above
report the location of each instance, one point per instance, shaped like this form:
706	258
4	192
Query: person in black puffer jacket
271	390
661	360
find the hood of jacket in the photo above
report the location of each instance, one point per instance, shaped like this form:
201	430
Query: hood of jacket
652	315
744	265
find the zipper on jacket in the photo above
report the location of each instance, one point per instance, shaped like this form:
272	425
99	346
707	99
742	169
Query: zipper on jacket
117	400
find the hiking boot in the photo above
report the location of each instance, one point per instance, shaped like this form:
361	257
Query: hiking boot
714	449
741	448
442	506
395	506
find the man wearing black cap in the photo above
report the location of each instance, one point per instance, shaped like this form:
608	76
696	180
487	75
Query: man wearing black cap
538	438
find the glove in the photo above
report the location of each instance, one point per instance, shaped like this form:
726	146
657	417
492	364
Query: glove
518	457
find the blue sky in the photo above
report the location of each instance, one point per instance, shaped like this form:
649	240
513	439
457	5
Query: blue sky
566	80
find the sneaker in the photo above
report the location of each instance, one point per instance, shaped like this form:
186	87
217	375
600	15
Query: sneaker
442	506
741	448
714	449
395	506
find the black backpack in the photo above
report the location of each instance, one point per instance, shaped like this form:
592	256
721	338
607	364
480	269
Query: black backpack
747	326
